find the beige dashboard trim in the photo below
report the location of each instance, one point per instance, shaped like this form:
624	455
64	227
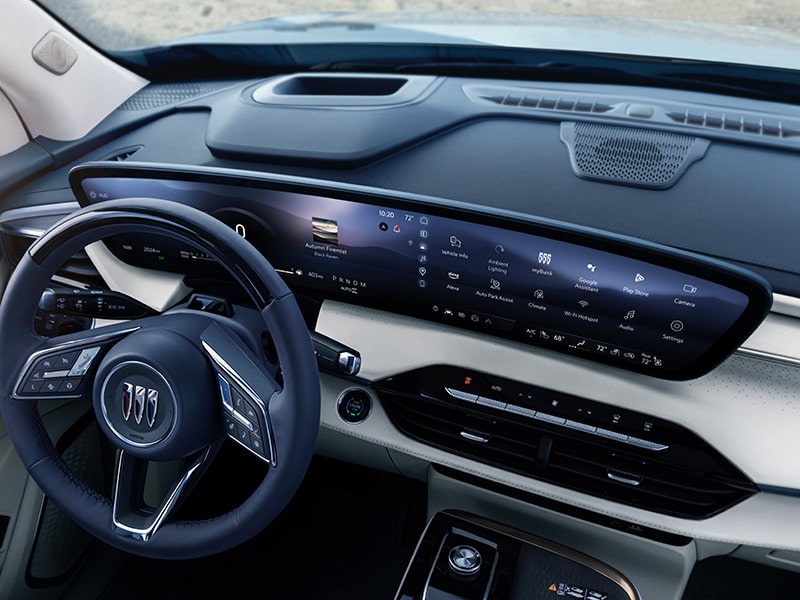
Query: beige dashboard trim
766	520
748	408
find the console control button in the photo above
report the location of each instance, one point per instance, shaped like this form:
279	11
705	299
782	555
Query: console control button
464	560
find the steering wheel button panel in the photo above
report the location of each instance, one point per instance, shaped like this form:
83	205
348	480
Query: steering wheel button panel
234	419
244	421
241	405
57	373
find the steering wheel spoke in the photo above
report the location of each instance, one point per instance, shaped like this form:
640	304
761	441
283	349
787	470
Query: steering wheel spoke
132	517
63	370
245	388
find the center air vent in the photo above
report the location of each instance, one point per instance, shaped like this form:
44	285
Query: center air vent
630	156
568	441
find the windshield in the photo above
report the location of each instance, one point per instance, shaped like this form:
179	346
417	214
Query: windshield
764	27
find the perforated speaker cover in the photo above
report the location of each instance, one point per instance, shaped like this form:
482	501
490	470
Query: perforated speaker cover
54	53
630	156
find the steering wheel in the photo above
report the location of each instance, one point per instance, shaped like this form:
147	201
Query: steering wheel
168	387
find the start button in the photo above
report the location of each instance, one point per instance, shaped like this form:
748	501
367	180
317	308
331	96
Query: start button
354	405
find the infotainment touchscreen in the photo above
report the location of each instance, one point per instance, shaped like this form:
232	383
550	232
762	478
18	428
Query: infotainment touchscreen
616	300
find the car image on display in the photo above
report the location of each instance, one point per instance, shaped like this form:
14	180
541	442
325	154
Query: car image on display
392	301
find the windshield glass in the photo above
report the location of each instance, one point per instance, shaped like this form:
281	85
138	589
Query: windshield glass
759	32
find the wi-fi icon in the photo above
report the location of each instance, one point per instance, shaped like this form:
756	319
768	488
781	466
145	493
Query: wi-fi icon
583	303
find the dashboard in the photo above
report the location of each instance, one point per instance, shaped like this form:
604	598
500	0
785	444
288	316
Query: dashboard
575	305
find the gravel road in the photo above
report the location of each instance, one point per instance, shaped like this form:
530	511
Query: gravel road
117	24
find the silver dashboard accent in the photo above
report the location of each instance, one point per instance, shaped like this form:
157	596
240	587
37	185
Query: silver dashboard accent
458	394
474	437
496	404
530	413
552	419
626	478
769	356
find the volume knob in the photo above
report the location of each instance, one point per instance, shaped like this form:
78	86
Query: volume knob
464	560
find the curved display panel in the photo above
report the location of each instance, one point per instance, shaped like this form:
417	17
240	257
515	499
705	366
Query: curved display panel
616	300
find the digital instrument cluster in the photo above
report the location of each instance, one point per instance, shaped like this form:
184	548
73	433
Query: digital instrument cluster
639	306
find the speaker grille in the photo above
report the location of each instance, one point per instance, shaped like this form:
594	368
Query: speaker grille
628	156
157	95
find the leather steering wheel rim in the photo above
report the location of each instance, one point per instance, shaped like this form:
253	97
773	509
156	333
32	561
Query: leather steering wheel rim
293	407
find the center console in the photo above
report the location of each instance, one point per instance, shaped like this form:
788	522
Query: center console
461	556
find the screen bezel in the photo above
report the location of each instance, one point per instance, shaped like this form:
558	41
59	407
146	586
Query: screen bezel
757	290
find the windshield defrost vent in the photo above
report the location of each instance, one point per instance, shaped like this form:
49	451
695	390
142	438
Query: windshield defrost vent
122	155
557	103
738	123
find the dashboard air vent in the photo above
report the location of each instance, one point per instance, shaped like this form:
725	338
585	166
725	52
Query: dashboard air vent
681	476
716	122
630	156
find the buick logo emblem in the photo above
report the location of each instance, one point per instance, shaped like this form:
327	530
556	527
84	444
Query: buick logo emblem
139	402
